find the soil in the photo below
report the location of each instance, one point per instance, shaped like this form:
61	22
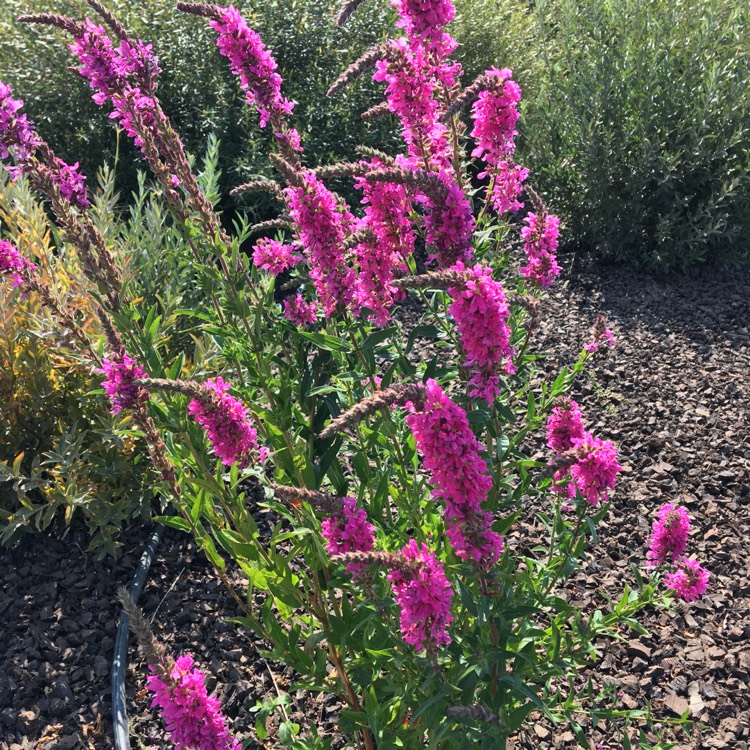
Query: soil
673	394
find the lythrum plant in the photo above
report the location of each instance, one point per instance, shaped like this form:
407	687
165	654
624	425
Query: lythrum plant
364	377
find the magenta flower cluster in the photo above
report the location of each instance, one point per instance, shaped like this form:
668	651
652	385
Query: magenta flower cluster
667	544
19	141
274	256
688	580
256	68
451	455
449	223
321	224
387	207
594	474
119	385
13	264
541	235
495	113
424	596
592	462
348	531
193	718
481	313
299	311
122	75
411	95
227	423
565	426
601	335
424	20
669	535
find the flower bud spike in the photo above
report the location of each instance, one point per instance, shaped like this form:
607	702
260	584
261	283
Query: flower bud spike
376	112
345	12
109	18
475	712
340	170
71	25
378	559
358	67
272	225
397	394
259	186
325	502
153	652
374	153
206	10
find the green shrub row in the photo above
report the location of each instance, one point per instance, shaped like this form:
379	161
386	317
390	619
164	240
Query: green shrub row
640	129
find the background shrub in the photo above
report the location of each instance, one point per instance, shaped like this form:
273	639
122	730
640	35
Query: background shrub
639	131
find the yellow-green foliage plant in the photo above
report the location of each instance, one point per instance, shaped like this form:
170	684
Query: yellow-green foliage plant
59	454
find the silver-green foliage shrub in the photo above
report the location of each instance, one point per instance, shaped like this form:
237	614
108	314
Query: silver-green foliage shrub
641	126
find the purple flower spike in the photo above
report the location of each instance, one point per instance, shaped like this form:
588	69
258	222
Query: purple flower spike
194	719
227	422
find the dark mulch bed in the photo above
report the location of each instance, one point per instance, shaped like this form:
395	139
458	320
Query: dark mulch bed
674	394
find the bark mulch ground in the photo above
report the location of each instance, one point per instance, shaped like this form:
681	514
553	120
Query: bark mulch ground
674	394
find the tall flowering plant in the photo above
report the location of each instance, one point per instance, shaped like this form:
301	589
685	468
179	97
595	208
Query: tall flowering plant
399	476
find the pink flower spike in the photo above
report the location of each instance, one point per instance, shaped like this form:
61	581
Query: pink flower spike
451	451
299	311
119	385
600	335
13	264
387	207
595	472
424	20
449	224
227	423
495	113
669	535
321	224
541	235
689	580
481	313
507	186
424	596
471	536
349	532
274	256
256	68
565	425
193	718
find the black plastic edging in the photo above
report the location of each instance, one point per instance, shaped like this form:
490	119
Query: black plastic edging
120	656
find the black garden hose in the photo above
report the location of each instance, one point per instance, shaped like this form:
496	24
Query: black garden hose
120	657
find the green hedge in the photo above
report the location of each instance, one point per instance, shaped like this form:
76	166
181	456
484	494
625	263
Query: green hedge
640	131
